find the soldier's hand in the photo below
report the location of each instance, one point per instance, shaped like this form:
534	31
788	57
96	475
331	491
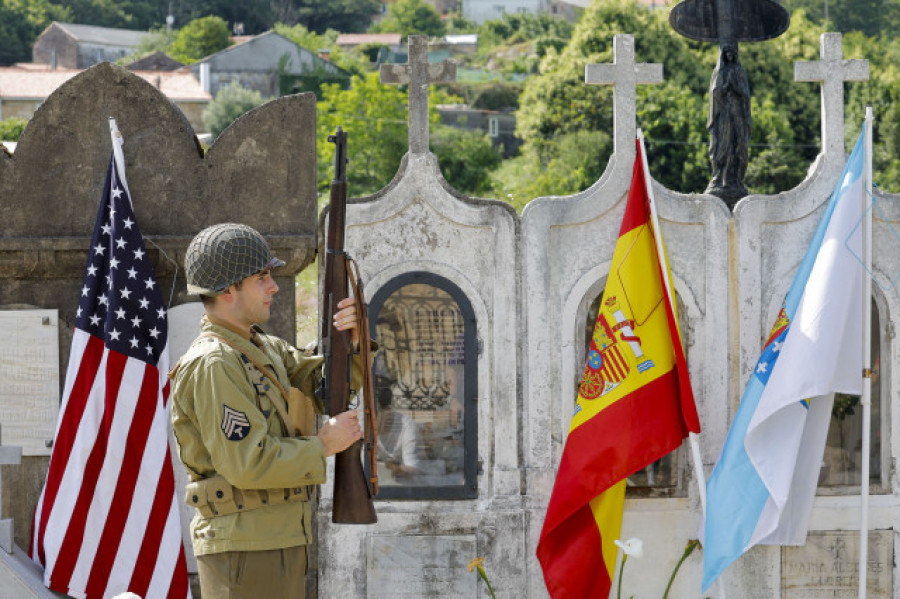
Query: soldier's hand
345	319
340	432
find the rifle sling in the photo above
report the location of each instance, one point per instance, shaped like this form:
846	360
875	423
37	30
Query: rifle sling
365	351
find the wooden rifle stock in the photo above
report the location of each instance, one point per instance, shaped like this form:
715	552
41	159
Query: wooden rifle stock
352	495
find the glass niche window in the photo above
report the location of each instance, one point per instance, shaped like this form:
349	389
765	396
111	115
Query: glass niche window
425	389
842	462
664	477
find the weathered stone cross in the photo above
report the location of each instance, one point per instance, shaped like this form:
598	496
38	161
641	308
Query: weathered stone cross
625	75
8	455
832	71
418	73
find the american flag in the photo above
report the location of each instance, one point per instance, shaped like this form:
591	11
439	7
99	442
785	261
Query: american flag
107	520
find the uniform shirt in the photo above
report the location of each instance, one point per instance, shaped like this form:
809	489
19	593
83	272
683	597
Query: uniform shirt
225	424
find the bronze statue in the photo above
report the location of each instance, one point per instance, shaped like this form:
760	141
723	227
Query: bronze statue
729	22
729	127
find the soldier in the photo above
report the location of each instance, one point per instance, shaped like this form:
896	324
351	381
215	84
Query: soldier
251	480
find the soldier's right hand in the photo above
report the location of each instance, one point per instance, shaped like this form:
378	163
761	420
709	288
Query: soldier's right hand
340	432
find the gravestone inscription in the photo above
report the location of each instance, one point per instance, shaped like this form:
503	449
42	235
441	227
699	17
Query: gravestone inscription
826	567
29	378
420	566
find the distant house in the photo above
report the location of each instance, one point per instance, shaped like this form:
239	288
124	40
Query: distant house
485	10
441	6
572	9
23	90
70	46
157	61
269	63
349	41
465	43
500	125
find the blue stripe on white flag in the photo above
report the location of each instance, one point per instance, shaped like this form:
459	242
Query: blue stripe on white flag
768	499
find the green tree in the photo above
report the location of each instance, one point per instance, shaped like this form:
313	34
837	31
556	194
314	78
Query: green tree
21	21
882	92
156	40
572	163
199	38
870	17
673	115
316	42
411	17
255	16
11	129
375	117
125	14
516	27
230	103
466	158
350	16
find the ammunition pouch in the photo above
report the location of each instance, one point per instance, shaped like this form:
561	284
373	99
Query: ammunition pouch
215	496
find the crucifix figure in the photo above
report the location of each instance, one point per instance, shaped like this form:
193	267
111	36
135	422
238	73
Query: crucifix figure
729	22
625	75
418	73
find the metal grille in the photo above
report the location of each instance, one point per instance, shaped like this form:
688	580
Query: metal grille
420	329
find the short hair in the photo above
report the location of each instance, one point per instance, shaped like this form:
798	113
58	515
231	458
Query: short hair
209	300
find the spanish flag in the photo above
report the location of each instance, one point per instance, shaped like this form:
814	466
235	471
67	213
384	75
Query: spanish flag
634	406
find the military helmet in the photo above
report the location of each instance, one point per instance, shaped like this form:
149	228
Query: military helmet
222	255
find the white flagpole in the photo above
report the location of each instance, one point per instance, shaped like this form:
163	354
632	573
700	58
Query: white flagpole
866	399
117	142
670	296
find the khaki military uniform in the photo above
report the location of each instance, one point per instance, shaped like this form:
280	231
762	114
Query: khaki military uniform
255	482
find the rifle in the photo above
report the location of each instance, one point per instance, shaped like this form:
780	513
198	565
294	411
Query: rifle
352	495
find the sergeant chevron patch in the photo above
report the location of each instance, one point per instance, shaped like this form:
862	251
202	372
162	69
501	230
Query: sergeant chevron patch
235	424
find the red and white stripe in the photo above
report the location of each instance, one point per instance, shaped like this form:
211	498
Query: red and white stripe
107	520
614	368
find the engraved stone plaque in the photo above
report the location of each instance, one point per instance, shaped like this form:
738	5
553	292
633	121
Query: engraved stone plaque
420	566
29	378
826	567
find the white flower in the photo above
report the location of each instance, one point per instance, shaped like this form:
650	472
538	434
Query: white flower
632	547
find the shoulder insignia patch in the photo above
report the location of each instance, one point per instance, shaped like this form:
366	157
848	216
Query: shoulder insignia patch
235	424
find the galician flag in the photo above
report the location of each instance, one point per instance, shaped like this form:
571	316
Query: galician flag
763	485
635	405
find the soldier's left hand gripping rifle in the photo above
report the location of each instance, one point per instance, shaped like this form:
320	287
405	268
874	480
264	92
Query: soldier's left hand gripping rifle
352	494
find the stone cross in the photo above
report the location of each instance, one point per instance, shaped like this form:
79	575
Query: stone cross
418	73
8	455
625	76
832	71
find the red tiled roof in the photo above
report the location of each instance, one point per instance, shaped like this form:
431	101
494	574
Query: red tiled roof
355	39
27	83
